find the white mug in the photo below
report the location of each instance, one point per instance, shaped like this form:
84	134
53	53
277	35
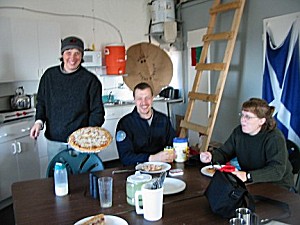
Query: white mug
152	202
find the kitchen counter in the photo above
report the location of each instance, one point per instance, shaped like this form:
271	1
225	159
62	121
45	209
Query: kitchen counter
131	102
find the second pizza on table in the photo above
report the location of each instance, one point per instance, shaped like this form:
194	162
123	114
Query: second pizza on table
90	139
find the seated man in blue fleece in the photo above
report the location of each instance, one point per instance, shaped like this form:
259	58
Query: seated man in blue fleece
143	134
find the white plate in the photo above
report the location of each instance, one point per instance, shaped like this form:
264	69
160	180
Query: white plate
165	167
205	172
173	186
109	220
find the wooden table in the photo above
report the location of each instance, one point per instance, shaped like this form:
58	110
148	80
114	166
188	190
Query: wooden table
35	203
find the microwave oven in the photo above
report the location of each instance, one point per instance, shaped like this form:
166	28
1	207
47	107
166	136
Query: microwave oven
92	59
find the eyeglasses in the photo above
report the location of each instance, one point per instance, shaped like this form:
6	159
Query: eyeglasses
246	117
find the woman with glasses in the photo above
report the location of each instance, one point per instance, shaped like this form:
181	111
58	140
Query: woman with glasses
258	145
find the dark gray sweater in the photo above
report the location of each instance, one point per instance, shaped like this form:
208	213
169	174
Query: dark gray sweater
264	155
141	139
66	102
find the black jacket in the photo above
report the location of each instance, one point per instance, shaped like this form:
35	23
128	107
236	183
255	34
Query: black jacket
142	140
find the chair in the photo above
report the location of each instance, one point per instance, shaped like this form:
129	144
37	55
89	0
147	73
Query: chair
294	157
76	162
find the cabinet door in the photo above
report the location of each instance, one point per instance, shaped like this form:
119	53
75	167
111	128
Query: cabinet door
112	117
8	169
48	45
25	49
6	53
36	46
111	152
28	158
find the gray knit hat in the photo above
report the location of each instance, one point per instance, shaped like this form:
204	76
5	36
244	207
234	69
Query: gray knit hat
71	42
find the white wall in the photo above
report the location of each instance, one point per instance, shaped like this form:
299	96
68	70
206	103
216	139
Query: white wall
130	19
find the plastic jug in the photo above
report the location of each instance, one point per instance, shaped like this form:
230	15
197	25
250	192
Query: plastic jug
60	179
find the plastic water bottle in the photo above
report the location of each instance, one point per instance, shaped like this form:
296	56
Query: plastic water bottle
60	179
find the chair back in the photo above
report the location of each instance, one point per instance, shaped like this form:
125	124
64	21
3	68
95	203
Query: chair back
294	155
76	162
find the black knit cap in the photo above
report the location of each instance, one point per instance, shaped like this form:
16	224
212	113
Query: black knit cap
71	42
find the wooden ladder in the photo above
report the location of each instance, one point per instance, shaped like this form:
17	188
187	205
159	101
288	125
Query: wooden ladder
221	68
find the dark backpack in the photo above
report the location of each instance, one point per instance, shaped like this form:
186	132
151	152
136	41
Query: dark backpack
226	193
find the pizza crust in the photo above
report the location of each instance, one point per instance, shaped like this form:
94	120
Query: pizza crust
96	220
90	139
151	167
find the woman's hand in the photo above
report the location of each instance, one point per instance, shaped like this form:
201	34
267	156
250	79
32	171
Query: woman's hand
205	157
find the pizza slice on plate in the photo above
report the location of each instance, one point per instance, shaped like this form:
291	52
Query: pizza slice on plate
96	220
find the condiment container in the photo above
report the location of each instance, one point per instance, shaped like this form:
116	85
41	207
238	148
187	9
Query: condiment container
134	183
180	146
60	179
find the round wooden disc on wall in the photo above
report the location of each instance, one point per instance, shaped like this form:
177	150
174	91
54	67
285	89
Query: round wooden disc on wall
148	63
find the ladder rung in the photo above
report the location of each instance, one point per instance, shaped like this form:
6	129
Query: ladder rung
211	66
204	97
225	7
194	127
219	36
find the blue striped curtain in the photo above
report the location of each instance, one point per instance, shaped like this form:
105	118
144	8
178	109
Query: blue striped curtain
281	81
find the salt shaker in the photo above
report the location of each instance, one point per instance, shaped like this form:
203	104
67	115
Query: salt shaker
60	179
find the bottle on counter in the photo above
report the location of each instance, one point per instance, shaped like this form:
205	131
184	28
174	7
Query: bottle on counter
60	179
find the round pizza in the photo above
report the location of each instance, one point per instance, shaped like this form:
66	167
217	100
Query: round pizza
90	139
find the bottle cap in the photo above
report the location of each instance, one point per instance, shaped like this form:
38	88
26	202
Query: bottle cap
59	166
180	140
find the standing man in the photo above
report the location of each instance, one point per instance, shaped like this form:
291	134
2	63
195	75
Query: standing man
69	97
143	134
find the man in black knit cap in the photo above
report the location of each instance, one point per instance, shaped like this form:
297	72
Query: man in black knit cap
69	97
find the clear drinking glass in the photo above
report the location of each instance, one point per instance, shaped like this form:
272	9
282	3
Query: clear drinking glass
237	221
244	213
105	191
